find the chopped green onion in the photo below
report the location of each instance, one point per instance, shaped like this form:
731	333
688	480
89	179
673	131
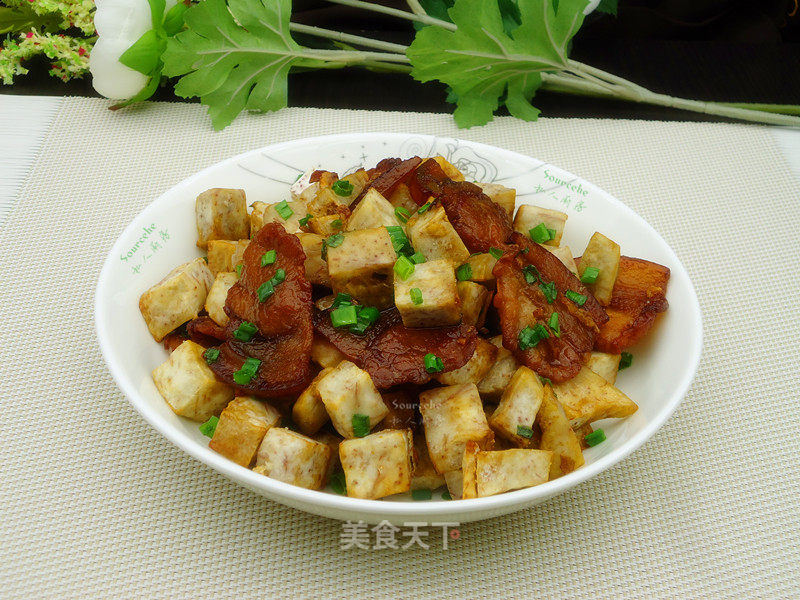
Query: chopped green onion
590	275
625	360
433	364
209	427
337	224
205	258
541	331
284	210
425	207
365	318
496	252
523	431
238	269
541	234
553	324
403	267
399	239
211	355
335	240
552	233
342	187
269	257
360	425
416	295
338	483
279	277
594	438
417	258
265	290
577	298
549	290
341	298
402	214
304	221
528	338
531	274
421	494
464	272
245	331
545	380
344	315
247	372
446	495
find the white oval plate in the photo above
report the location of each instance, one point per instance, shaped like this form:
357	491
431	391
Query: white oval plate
164	235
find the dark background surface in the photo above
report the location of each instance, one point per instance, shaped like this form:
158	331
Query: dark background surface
723	50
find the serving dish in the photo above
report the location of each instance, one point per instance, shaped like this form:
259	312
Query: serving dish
164	235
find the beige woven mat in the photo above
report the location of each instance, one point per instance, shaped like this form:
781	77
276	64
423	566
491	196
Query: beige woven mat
96	504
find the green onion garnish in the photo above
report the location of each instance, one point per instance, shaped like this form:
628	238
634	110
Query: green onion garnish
531	274
365	317
625	360
421	494
338	483
403	267
545	380
360	425
269	257
590	275
577	298
417	258
464	272
525	432
245	331
594	438
553	324
402	214
284	210
549	290
342	187
552	233
279	277
446	495
341	298
247	372
265	290
238	269
337	224
541	331
344	315
425	207
433	364
399	239
211	355
209	427
496	252
304	221
335	240
416	295
541	234
528	338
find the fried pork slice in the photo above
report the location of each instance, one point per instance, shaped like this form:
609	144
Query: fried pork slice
480	223
639	296
268	333
531	286
388	174
394	354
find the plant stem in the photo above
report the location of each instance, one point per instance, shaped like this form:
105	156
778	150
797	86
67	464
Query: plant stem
351	56
348	38
402	14
416	8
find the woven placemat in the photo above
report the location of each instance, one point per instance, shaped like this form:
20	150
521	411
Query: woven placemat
96	504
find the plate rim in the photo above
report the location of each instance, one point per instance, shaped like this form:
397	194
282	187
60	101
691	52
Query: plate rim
489	505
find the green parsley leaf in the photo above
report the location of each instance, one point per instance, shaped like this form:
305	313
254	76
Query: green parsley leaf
236	56
485	66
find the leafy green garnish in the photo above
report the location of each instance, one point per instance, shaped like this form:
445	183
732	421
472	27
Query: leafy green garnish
485	66
236	56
